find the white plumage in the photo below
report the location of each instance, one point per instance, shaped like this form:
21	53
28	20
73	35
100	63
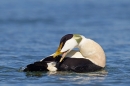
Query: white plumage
88	49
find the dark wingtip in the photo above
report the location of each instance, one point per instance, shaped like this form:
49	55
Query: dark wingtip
36	66
41	65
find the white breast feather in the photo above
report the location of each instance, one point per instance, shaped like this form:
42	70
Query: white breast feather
51	66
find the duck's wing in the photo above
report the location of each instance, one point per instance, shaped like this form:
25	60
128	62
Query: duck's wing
79	65
41	65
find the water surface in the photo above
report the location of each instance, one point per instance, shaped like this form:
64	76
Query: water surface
30	30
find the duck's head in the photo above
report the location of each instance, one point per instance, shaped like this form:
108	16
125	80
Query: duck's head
67	43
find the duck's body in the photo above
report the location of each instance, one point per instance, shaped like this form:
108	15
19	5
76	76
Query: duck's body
74	61
89	58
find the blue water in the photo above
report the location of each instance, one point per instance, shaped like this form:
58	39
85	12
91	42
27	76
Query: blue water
31	29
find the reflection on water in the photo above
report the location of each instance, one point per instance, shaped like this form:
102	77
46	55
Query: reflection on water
85	78
34	74
75	78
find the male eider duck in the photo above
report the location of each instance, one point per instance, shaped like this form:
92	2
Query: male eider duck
89	58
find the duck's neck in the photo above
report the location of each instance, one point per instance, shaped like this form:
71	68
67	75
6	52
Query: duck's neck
92	51
83	41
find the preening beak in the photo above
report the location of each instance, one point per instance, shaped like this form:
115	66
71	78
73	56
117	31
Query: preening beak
56	54
63	55
58	51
